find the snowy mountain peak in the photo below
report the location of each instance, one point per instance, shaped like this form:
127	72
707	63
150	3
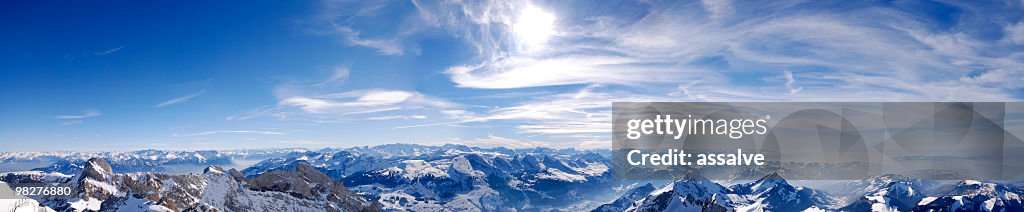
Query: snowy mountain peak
95	169
213	170
972	195
304	189
98	165
694	193
762	185
774	176
627	200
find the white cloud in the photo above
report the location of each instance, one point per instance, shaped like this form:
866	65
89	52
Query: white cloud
231	132
89	113
519	72
179	100
368	104
383	46
496	141
1008	77
381	118
374	100
718	9
676	42
339	76
109	51
1015	33
789	82
583	112
342	18
78	118
705	51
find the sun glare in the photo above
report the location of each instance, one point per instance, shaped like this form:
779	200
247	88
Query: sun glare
534	26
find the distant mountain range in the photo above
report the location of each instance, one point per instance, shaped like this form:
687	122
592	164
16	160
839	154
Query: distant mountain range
406	177
773	193
135	161
455	177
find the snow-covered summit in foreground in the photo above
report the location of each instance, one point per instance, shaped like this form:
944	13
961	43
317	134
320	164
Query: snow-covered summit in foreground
100	189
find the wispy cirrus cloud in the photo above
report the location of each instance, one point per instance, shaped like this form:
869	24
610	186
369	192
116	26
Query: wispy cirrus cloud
206	133
790	81
382	118
109	51
498	141
383	46
89	113
585	113
362	100
686	41
714	50
341	18
338	76
78	118
179	100
367	104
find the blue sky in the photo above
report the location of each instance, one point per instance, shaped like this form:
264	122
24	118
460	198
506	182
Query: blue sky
225	75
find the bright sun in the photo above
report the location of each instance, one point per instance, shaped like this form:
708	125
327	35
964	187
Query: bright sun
534	26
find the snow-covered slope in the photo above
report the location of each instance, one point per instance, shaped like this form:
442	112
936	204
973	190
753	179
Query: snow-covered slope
405	177
886	193
456	177
100	189
971	195
695	193
627	200
773	193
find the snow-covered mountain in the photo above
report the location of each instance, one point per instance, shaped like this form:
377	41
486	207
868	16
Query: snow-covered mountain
695	193
773	193
134	161
971	195
886	193
456	177
627	200
406	177
100	189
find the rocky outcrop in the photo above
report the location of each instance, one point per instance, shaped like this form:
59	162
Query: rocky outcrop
304	189
308	183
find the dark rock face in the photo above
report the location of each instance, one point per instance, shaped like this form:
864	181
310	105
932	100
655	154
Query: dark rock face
236	175
96	168
308	183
